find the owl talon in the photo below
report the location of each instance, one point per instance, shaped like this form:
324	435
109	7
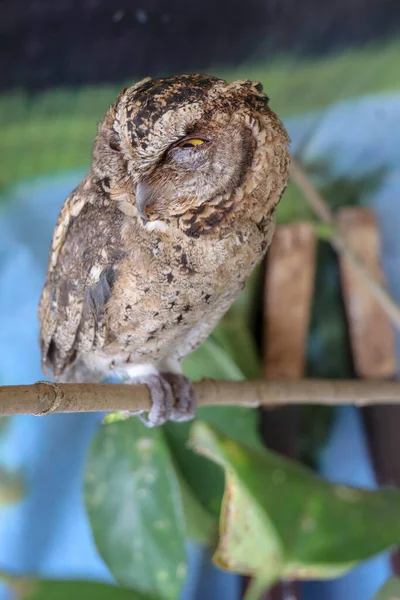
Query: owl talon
166	389
184	394
162	400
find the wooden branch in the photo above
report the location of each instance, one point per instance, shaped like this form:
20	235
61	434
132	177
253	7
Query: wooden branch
43	398
324	213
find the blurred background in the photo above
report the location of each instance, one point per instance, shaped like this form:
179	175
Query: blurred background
331	71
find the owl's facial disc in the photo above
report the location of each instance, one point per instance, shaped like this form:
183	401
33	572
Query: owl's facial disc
187	154
206	162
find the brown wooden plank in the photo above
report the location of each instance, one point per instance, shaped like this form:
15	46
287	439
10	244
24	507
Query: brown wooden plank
289	288
371	333
288	291
373	344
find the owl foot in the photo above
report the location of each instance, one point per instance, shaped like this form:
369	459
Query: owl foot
173	399
184	407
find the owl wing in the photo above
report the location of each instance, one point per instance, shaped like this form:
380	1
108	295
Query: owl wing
79	282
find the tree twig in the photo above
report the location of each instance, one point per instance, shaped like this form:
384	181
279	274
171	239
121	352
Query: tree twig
323	212
43	398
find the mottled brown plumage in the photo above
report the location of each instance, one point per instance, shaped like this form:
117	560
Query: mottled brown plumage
156	242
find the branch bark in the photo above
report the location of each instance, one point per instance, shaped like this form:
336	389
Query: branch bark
43	398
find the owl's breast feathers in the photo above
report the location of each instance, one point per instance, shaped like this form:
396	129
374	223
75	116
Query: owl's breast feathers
116	292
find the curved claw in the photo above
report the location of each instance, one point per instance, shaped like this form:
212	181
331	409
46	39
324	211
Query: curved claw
173	399
162	400
184	393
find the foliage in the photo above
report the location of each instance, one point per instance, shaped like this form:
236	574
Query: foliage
320	533
12	487
135	508
30	589
338	191
390	591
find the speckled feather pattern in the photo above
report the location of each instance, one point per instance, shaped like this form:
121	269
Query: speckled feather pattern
121	291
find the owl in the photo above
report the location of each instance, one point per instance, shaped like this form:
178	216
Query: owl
156	242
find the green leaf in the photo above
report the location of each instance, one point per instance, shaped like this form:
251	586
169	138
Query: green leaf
205	479
236	339
135	508
315	425
390	591
12	487
236	422
325	231
29	589
279	520
215	362
257	587
246	304
115	417
201	526
211	360
293	207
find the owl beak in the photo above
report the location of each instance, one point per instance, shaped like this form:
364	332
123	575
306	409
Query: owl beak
143	198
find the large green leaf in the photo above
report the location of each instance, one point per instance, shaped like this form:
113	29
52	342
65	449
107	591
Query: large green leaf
279	520
135	508
211	360
390	591
234	336
201	525
205	479
29	589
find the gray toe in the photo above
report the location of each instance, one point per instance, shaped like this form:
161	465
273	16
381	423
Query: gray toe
162	400
184	408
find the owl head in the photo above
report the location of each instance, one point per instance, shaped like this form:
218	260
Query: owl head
189	149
